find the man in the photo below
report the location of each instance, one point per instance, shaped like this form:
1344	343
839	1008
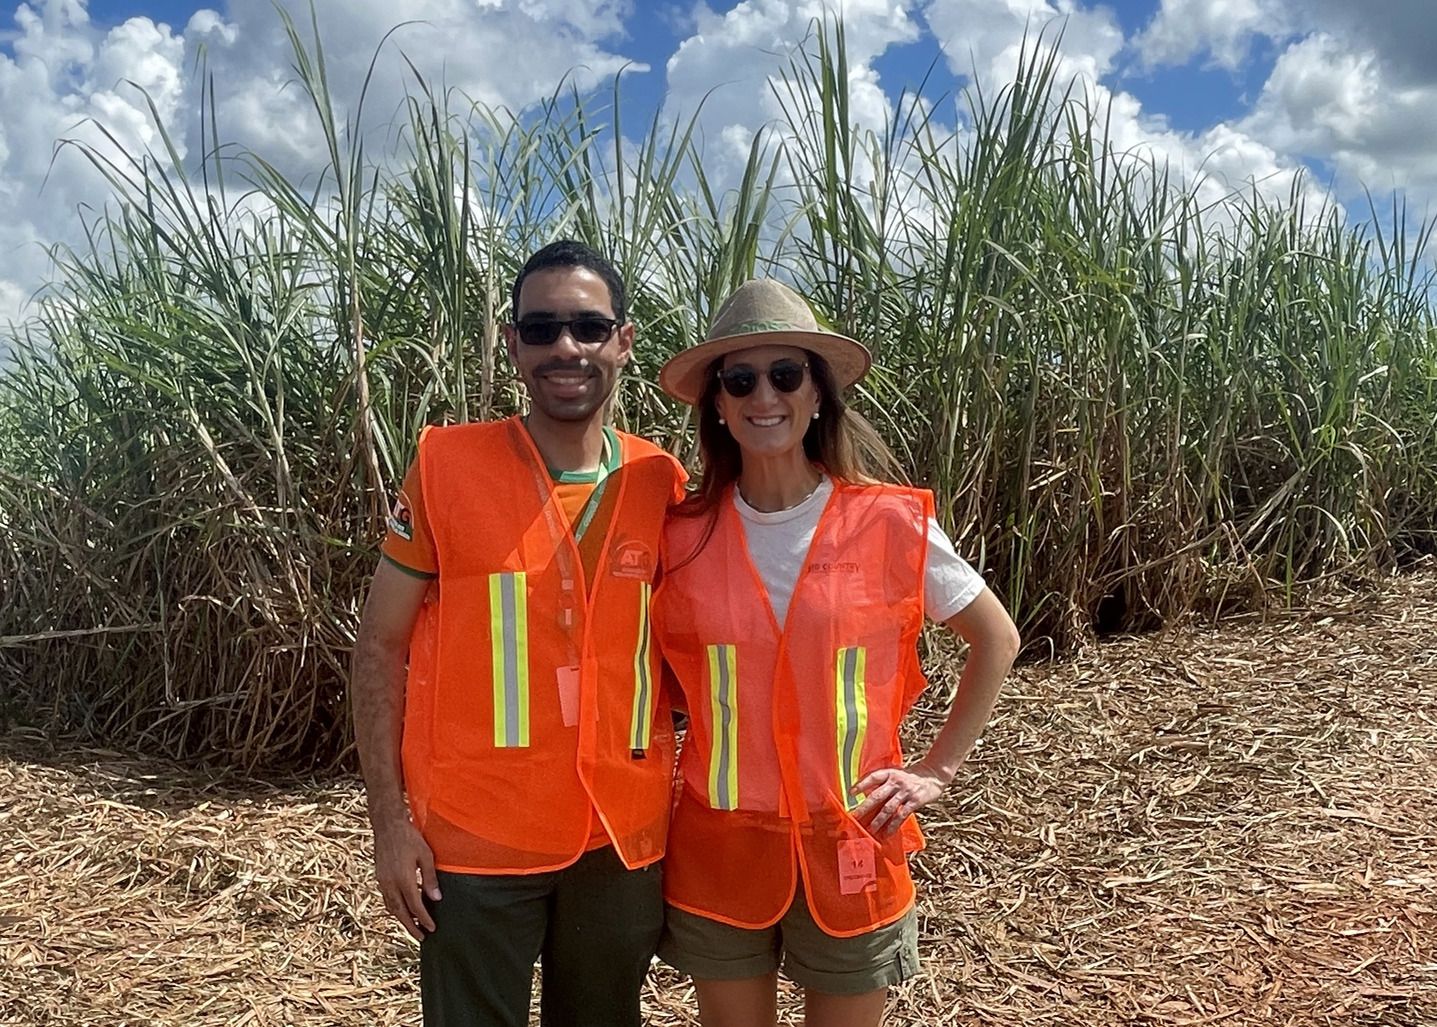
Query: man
519	771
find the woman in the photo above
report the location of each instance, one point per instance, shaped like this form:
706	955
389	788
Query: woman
794	591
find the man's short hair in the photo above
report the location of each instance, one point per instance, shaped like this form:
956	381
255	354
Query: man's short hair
568	253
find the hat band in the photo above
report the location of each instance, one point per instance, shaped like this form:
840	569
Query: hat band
755	327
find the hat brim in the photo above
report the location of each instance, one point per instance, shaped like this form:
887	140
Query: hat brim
684	376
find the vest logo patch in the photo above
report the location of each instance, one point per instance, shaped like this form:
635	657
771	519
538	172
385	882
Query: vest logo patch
632	559
401	521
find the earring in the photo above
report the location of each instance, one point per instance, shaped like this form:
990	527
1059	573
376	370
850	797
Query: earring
722	421
815	415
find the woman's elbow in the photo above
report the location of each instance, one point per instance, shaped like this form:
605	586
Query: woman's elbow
1011	642
988	628
1001	640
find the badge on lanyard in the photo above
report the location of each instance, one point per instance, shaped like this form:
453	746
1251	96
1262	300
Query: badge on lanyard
569	695
857	869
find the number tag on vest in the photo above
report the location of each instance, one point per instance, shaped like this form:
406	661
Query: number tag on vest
569	695
856	869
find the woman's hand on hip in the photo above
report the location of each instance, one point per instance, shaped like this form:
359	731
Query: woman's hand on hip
891	795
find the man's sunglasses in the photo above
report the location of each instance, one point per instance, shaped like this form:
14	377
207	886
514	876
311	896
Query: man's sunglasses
587	331
740	380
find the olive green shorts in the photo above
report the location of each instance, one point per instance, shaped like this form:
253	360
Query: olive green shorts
710	950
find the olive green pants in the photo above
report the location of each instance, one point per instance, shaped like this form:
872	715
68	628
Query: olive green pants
592	926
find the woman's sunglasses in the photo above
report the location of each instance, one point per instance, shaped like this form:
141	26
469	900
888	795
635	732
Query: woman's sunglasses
741	379
587	331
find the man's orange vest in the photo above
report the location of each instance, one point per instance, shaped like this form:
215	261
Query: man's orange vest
785	720
533	698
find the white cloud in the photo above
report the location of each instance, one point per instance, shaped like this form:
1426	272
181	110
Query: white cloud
499	52
984	39
1223	29
733	63
65	79
12	298
739	54
67	74
1402	32
1354	86
1329	101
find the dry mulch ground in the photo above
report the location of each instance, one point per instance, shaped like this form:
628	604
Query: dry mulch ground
1234	825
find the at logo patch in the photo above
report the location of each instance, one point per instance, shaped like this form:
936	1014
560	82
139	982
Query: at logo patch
632	559
401	521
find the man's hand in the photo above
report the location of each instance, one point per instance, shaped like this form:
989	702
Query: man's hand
892	794
402	863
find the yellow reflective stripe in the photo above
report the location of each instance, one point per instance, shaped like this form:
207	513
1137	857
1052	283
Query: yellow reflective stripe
509	639
723	759
852	707
642	721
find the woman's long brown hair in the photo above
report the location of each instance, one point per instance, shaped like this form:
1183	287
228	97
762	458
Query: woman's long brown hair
841	441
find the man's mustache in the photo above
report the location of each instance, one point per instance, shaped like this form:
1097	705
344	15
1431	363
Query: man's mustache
580	366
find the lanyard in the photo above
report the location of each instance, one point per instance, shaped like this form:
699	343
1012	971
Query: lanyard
608	463
568	573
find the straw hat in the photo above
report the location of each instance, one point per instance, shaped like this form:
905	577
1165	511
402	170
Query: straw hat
762	312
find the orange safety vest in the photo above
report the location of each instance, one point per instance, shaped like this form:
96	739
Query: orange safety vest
785	721
532	698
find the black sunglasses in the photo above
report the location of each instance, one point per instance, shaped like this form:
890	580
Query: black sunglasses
740	380
587	331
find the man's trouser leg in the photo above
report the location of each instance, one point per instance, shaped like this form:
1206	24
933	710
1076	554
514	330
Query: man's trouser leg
605	926
476	969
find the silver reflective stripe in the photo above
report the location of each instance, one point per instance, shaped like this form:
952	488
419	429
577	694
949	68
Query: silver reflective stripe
511	659
640	720
725	755
509	643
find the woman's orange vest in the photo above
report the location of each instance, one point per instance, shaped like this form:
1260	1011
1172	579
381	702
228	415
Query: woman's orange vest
785	721
533	698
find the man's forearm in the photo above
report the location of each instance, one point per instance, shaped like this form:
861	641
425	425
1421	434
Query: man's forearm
377	694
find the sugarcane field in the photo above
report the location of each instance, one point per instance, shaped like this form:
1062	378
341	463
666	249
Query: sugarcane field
1176	434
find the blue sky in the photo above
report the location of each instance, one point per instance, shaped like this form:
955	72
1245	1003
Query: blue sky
1247	91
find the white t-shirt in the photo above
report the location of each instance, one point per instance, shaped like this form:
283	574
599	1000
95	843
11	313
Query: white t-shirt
778	544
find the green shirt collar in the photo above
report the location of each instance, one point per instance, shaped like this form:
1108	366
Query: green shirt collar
609	459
